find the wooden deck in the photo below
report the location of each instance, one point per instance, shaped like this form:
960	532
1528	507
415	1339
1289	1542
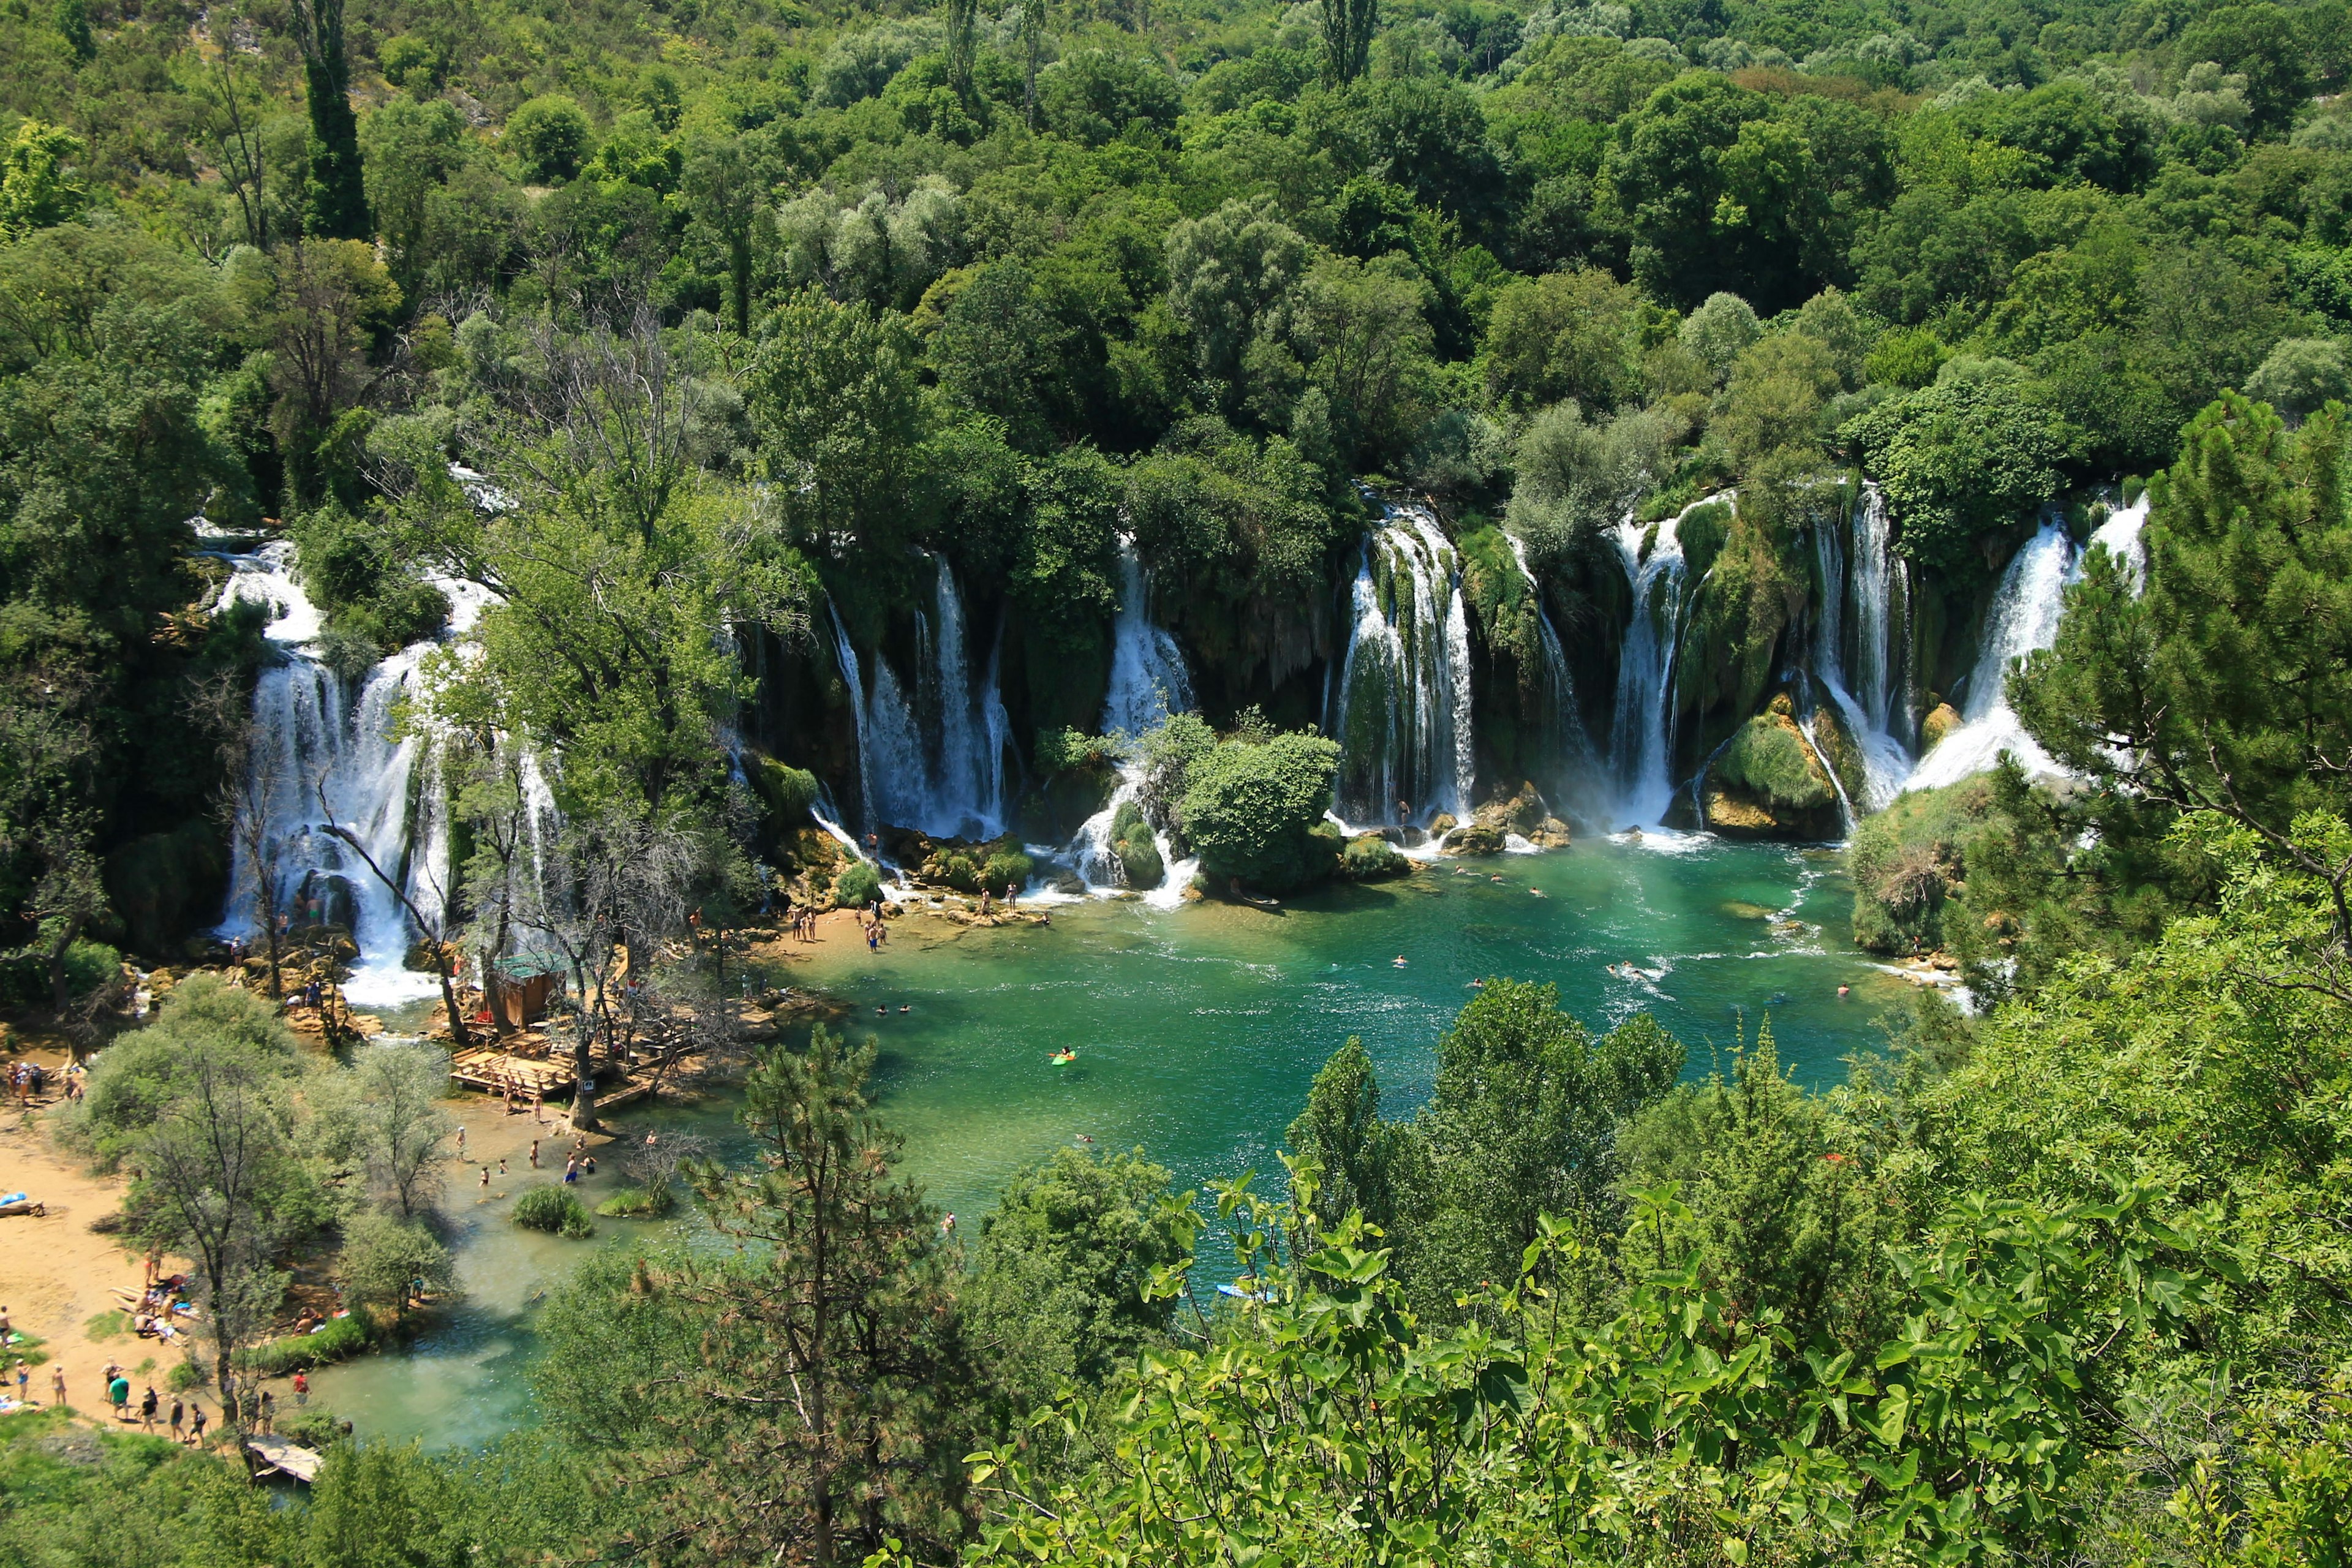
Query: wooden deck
280	1458
550	1076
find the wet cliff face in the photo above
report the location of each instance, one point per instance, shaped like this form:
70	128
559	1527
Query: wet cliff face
1614	682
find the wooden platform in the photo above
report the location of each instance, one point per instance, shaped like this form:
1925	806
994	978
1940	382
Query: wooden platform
280	1458
490	1069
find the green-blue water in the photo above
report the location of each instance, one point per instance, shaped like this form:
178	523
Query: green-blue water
1197	1031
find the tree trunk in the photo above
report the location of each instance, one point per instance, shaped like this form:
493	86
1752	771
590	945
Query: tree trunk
57	963
583	1060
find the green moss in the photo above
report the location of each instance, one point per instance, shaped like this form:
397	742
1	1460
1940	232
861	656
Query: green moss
1909	861
639	1202
1701	533
1770	760
1370	858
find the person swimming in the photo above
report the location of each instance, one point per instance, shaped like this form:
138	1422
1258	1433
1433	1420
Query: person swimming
1062	1058
1497	878
1398	962
905	1007
1538	892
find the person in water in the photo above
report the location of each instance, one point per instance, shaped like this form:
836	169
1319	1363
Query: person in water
1398	962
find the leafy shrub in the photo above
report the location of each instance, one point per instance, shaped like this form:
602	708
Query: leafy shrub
25	973
383	1256
553	1209
1369	857
549	136
1906	861
1768	759
1067	751
341	1338
640	1202
858	886
1974	452
1252	812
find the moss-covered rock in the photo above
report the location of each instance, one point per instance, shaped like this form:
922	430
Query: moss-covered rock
1940	721
1369	857
1836	747
1476	838
968	868
1910	860
165	885
1770	783
1519	813
1132	841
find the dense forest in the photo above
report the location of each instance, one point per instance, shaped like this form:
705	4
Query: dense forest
626	378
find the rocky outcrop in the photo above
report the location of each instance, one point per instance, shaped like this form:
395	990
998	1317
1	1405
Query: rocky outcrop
1941	721
1768	782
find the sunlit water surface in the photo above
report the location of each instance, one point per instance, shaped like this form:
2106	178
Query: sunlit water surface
1197	1031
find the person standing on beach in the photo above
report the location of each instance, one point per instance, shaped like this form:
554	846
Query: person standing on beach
147	1408
196	1421
179	1419
57	1386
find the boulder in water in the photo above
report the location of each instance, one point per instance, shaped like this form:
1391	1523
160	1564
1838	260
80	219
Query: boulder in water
1941	722
1476	839
1518	813
1370	856
1770	783
1551	832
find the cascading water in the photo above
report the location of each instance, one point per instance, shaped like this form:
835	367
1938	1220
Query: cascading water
1401	711
1562	740
1148	683
2121	535
2024	617
933	761
1642	734
1871	706
310	739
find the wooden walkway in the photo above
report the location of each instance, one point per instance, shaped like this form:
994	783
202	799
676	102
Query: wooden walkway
280	1458
551	1076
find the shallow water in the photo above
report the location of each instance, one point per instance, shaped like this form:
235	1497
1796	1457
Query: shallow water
1197	1031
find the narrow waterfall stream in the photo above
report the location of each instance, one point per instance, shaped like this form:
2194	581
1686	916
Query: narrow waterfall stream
931	759
1642	735
1148	683
1872	704
1401	707
2024	617
312	737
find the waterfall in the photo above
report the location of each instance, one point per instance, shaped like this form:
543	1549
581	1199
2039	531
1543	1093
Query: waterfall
1148	683
2024	617
1642	733
1401	708
845	653
932	760
2121	535
1871	706
1564	740
384	789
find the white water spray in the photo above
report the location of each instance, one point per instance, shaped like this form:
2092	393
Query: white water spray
1402	709
2024	617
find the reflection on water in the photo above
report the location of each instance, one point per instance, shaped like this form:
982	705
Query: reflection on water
1197	1031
